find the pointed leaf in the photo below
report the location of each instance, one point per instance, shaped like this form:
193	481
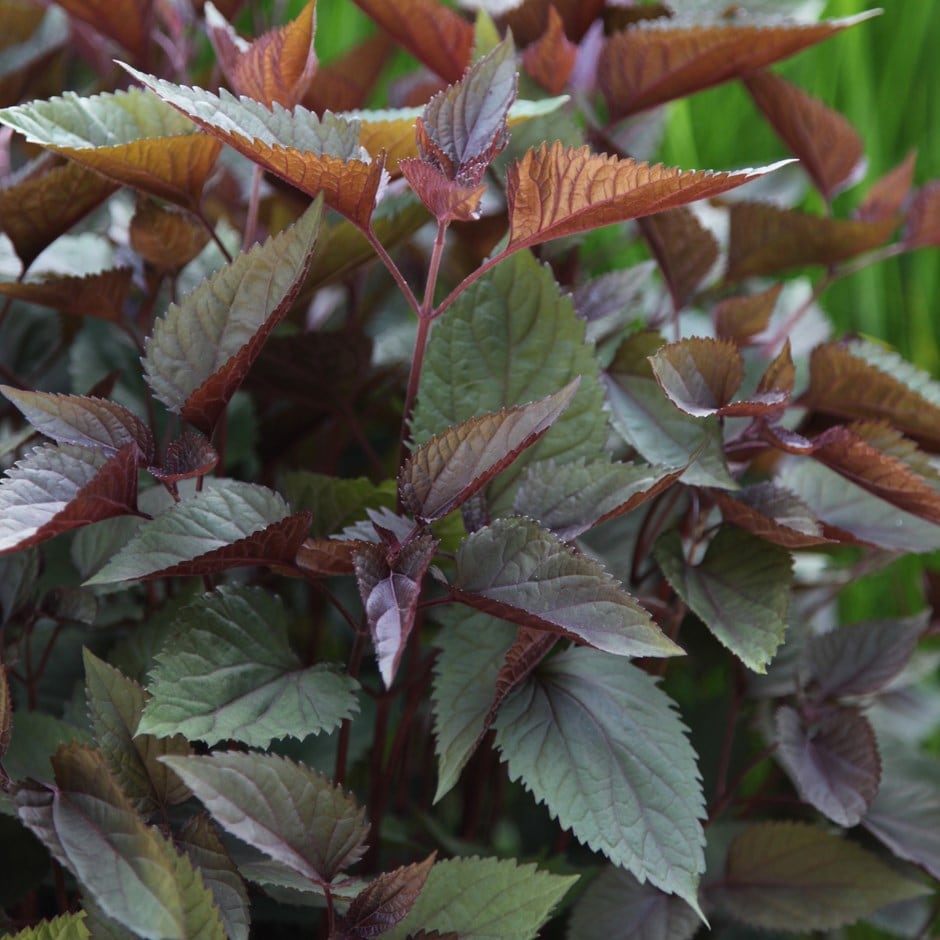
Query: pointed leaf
887	195
130	136
227	524
289	812
55	489
390	589
87	422
651	63
529	20
31	36
571	498
435	35
599	744
740	318
772	513
740	590
320	558
446	200
766	239
387	900
791	876
550	60
115	704
699	375
127	22
64	927
190	455
483	899
201	350
519	571
448	469
99	295
828	147
554	192
228	673
166	239
922	227
615	904
685	250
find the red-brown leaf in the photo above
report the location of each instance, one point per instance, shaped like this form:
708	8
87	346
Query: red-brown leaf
446	199
190	455
922	228
780	374
164	238
771	513
827	145
887	195
127	22
684	249
344	84
740	318
531	646
551	58
320	558
94	295
530	19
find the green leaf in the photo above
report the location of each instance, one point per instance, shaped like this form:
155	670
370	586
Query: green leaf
472	646
227	514
228	672
794	877
335	503
289	812
65	927
36	737
201	350
740	590
596	741
519	571
484	899
512	338
447	470
115	704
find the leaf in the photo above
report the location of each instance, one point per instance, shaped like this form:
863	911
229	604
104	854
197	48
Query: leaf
35	211
190	455
740	590
447	470
684	249
434	34
131	870
345	82
101	295
228	673
127	22
319	558
922	227
772	513
529	20
551	59
740	318
289	812
55	489
390	588
887	195
115	704
130	136
445	199
31	36
571	498
511	338
516	570
766	239
484	899
859	659
599	744
333	502
201	350
791	876
606	303
226	525
86	422
386	901
36	737
63	927
312	154
166	239
657	61
615	904
277	66
553	191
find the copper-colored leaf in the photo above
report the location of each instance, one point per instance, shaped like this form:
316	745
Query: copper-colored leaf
32	34
657	61
684	249
772	513
166	239
190	455
531	646
780	374
888	194
530	19
323	557
277	66
99	295
433	33
555	191
922	227
766	239
344	84
127	22
386	901
446	199
829	148
551	58
37	210
740	318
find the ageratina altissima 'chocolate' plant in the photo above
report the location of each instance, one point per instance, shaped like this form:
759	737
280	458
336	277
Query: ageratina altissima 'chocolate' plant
340	473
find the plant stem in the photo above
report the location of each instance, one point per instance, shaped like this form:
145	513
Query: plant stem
215	237
393	269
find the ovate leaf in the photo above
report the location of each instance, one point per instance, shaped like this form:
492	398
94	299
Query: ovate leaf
552	57
922	226
190	455
100	295
201	350
597	742
887	195
57	488
740	590
740	318
685	250
64	927
289	812
483	899
772	513
447	470
127	22
555	191
225	525
165	238
791	876
519	571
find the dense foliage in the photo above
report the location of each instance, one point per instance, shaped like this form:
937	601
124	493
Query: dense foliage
363	437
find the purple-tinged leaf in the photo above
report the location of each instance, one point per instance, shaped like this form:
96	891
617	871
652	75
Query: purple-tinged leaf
516	570
127	22
57	488
791	876
448	469
740	318
833	761
922	226
446	199
86	422
886	196
607	303
201	350
190	455
530	647
291	813
772	513
860	659
100	295
779	377
551	58
390	588
684	249
740	590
